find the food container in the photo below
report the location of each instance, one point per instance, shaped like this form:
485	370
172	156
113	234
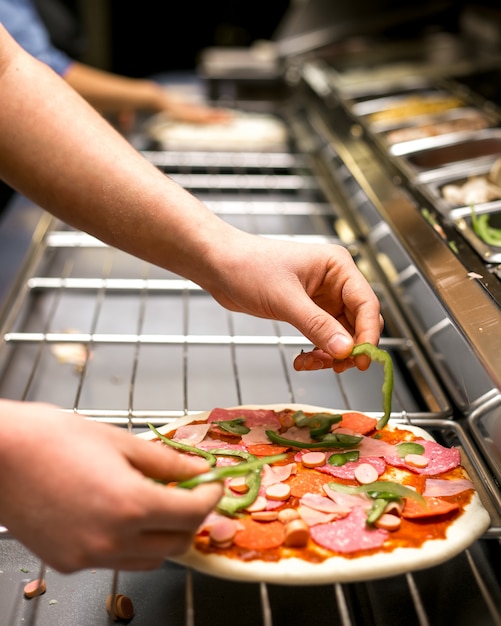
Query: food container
458	152
477	184
399	108
462	219
462	119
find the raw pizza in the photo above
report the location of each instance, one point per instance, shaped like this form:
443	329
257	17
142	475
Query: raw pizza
324	496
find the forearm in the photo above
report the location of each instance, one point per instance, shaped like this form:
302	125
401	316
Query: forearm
49	151
111	93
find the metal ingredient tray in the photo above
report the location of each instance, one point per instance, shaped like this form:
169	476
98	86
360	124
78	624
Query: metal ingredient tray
454	175
397	108
423	159
463	222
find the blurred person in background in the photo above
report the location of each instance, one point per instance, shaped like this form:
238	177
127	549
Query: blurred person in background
108	92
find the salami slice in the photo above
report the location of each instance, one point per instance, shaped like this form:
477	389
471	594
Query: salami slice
253	417
347	471
349	534
440	459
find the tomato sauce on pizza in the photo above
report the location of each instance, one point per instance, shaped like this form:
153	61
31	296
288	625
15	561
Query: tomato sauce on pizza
339	489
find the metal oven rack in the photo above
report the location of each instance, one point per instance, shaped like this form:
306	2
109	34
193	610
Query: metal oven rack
154	346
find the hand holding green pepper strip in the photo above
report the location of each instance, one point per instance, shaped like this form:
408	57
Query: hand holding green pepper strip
376	354
251	469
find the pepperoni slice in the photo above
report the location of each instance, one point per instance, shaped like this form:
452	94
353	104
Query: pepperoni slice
358	423
265	449
308	482
259	535
431	507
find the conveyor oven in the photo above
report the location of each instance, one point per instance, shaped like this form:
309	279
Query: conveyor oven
117	340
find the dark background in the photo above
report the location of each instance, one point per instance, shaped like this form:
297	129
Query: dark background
149	37
153	40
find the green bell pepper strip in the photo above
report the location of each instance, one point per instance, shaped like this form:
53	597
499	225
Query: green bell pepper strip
341	458
318	423
381	356
409	447
208	456
251	469
487	233
331	440
231	504
236	426
230	471
376	510
387	489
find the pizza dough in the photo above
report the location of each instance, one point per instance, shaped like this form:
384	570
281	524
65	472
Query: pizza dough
243	132
461	533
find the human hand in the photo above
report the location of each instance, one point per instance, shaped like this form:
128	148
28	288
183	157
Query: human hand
183	110
80	494
316	288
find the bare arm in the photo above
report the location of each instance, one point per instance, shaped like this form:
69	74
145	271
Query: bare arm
112	93
58	151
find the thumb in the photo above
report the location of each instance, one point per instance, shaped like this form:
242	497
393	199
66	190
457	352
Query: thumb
321	328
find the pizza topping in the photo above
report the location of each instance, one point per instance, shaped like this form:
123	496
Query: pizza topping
440	459
366	473
258	536
349	534
380	489
278	491
348	470
324	504
251	417
429	508
347	500
341	458
191	434
287	515
235	427
238	484
416	460
300	480
264	449
264	516
358	423
305	482
258	504
297	534
376	354
444	487
409	447
389	522
313	459
182	447
312	517
330	440
222	532
277	473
